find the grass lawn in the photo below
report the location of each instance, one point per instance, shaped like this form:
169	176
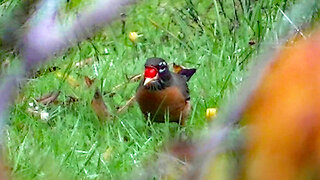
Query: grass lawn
219	38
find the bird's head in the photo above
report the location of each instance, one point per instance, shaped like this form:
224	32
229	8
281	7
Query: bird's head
156	73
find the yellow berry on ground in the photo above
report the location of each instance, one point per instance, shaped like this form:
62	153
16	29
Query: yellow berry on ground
211	113
133	36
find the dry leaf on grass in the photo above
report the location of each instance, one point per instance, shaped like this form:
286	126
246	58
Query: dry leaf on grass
88	81
177	68
48	98
99	107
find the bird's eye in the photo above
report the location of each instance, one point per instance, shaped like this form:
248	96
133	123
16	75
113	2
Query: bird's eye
162	66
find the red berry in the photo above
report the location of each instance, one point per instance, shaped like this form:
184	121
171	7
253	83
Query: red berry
150	72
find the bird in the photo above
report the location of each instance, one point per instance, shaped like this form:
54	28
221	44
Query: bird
162	92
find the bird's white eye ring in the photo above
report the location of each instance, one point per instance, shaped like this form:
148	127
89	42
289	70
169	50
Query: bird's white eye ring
162	63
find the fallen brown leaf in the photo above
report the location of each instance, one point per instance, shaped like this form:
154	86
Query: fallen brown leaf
48	98
177	68
88	81
99	107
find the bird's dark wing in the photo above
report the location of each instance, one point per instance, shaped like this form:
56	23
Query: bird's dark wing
187	73
180	82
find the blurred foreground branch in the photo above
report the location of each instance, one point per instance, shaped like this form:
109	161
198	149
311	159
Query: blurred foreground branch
46	37
208	148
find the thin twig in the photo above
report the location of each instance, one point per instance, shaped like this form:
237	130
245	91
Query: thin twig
294	26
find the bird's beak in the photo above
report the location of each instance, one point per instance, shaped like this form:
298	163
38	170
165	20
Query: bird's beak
148	81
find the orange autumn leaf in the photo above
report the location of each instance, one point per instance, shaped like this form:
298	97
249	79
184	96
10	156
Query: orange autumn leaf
284	116
177	68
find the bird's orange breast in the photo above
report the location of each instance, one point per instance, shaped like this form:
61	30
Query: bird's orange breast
157	103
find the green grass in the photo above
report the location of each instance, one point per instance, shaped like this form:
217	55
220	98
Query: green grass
212	36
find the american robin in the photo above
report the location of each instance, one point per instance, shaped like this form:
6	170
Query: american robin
161	92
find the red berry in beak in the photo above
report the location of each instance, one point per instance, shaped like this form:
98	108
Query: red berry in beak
150	72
